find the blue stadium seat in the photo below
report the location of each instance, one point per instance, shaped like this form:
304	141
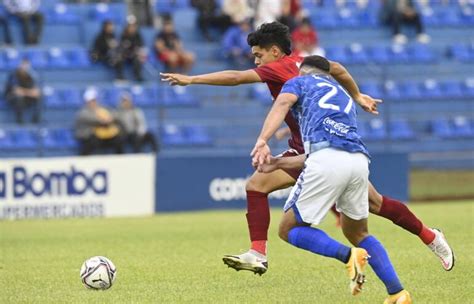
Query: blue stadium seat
468	87
451	89
392	90
379	54
12	58
376	130
61	14
58	58
398	54
51	98
260	92
441	128
337	53
197	135
37	57
421	53
79	57
72	97
58	138
176	96
104	11
5	139
172	135
431	89
410	90
372	88
24	138
358	54
462	127
462	52
401	130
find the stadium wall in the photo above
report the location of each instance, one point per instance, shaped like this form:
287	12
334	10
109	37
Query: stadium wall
196	183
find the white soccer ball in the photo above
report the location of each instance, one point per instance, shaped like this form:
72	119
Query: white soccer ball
98	273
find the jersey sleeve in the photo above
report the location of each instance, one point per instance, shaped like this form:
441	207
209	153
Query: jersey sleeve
292	86
271	72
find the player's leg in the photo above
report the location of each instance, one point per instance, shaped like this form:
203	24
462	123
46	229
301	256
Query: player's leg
400	215
258	218
353	204
356	232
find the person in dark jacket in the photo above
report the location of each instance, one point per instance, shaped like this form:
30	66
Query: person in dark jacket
21	92
105	48
131	49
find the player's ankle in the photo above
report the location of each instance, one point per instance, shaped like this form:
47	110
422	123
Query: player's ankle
260	246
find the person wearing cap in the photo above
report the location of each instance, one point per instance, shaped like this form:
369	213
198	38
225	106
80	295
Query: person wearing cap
133	123
22	92
96	127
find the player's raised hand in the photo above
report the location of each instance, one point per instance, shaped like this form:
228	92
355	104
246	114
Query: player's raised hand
176	79
368	103
261	153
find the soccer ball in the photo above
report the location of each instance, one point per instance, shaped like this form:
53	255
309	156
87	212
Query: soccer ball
98	273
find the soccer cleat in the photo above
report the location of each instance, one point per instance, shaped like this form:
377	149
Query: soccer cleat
402	297
355	266
443	251
250	260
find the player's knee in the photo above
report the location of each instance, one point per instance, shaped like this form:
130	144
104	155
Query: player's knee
254	185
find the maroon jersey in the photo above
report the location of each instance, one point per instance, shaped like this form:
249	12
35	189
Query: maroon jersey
275	74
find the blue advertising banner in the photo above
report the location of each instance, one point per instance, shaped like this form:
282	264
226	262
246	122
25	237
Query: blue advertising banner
195	183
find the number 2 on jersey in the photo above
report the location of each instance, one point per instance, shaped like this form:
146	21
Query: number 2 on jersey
323	102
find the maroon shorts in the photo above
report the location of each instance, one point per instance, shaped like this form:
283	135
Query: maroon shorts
295	173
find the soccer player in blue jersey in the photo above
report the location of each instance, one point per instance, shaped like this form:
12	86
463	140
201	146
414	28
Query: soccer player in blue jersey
336	170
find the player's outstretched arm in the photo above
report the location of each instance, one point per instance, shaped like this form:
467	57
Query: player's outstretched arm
261	152
275	163
340	73
222	78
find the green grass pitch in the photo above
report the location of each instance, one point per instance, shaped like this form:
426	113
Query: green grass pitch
176	258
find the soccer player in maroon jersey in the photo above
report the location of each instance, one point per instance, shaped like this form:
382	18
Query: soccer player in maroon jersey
271	47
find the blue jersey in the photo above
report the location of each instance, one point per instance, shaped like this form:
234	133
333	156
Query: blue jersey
325	112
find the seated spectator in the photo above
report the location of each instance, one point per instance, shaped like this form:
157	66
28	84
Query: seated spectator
133	123
169	49
267	11
105	48
235	46
209	16
30	16
305	40
96	127
6	30
237	10
131	50
21	92
291	13
398	12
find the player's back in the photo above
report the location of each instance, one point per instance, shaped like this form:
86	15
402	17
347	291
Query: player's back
325	112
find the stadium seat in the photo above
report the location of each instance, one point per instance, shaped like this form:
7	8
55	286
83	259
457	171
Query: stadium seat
392	90
372	88
430	89
58	58
376	130
379	54
37	57
451	89
71	97
357	54
176	96
58	138
462	127
441	128
12	58
5	140
398	54
51	98
421	53
61	14
410	90
468	87
197	135
24	138
337	53
401	130
79	57
173	135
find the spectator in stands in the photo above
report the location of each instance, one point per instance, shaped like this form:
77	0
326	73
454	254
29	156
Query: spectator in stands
21	92
209	16
305	40
134	126
105	48
291	13
169	49
237	10
267	11
30	16
96	127
235	46
131	50
398	12
6	30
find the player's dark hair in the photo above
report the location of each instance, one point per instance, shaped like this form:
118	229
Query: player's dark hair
316	61
273	33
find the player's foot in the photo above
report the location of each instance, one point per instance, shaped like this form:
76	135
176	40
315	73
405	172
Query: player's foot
443	251
403	297
250	260
355	267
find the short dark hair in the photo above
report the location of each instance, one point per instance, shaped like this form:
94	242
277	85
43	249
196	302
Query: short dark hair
273	33
316	61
